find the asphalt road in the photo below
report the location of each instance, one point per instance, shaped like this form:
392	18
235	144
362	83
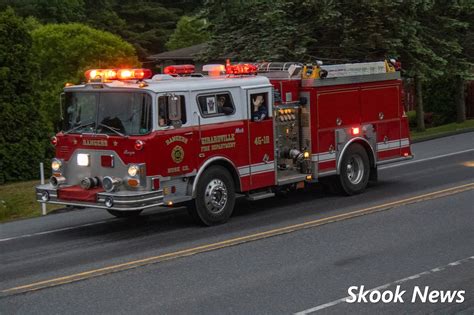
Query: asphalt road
87	262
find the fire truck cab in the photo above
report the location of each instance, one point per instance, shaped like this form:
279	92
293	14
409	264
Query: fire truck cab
131	142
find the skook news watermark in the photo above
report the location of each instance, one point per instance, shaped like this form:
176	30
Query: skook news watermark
425	294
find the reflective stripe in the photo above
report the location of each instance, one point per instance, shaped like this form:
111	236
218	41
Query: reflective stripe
381	146
323	157
394	144
257	168
405	143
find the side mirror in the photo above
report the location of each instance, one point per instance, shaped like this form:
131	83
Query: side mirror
62	102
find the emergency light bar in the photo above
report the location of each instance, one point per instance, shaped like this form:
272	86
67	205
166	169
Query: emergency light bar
179	69
240	68
214	70
118	74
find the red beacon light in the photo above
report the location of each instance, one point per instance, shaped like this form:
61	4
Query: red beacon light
240	68
139	145
118	74
179	69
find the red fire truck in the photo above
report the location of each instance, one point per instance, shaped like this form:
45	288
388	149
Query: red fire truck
131	141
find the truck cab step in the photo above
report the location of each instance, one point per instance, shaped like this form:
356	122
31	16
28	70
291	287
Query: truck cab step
260	195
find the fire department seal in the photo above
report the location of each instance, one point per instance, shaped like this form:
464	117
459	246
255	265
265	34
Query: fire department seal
177	154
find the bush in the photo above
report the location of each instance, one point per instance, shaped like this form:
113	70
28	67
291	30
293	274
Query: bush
439	98
411	119
63	53
24	137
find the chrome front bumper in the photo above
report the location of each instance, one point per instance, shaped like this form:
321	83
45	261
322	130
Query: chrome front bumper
122	200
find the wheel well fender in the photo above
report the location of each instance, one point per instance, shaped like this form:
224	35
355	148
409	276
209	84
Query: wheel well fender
365	144
221	161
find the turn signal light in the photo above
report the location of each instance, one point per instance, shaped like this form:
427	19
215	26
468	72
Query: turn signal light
132	182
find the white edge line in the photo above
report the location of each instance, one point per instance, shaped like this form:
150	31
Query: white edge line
416	276
52	231
426	159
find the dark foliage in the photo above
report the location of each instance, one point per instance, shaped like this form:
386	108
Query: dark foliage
24	137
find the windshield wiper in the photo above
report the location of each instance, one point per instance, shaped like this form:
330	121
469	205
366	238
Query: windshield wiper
79	127
112	129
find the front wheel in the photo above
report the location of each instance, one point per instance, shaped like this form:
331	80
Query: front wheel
215	197
354	170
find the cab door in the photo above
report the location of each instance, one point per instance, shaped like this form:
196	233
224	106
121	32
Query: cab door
178	145
261	139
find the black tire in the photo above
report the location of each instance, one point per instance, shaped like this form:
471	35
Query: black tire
354	170
216	182
124	214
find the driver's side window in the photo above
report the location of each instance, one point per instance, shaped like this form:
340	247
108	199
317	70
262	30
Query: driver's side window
164	110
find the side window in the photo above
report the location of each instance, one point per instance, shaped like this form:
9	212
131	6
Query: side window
216	104
259	106
163	111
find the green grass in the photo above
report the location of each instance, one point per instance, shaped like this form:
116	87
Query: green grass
440	130
17	200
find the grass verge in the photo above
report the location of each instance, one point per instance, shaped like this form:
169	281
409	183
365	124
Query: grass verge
17	200
443	130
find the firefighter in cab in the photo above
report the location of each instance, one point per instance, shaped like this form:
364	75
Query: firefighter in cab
260	111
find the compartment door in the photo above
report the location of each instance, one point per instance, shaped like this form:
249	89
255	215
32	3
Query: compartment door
381	106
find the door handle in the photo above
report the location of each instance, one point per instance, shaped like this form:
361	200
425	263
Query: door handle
190	133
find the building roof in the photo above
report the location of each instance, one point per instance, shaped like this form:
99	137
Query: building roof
186	53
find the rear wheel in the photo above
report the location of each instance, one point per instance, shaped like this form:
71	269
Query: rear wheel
354	171
125	214
215	197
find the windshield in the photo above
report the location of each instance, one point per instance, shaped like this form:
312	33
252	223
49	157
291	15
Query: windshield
118	113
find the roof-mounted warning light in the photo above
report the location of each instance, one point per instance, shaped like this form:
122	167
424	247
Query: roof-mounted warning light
179	70
117	74
240	68
214	70
392	65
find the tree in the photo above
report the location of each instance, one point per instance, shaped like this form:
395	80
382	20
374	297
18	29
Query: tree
465	59
48	11
148	24
255	30
189	31
426	35
23	140
64	51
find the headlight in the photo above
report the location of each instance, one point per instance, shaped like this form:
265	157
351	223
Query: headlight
83	159
133	170
56	165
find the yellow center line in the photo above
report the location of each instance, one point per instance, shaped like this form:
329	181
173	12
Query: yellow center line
232	242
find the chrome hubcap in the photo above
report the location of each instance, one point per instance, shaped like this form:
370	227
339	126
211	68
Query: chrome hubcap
215	196
355	169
